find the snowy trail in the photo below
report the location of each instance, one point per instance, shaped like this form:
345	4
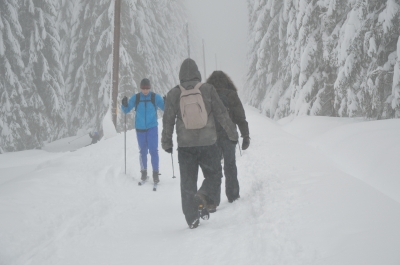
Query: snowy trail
296	207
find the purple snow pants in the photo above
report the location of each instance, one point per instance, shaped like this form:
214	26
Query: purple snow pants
148	142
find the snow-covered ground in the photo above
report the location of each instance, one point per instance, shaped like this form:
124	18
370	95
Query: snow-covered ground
314	190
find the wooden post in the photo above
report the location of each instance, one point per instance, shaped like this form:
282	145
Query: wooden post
115	72
188	43
204	62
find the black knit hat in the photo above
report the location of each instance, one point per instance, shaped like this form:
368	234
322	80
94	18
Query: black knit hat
145	83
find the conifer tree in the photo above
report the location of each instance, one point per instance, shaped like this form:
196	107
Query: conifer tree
15	133
88	82
152	46
395	97
41	56
149	47
327	57
56	56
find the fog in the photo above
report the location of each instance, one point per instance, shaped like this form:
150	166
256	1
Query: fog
223	26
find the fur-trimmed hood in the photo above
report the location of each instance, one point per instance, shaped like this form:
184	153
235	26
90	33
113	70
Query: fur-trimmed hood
220	80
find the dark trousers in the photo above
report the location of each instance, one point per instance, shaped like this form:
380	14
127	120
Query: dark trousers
227	151
190	158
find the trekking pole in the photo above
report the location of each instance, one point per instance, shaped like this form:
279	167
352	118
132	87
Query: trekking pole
77	138
125	143
173	170
240	150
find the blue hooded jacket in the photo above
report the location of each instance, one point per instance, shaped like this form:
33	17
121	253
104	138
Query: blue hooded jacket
146	112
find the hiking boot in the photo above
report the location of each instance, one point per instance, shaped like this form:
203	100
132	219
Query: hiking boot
232	200
200	199
156	179
144	174
211	208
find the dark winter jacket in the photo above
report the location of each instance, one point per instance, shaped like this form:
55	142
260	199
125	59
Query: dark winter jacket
226	89
189	76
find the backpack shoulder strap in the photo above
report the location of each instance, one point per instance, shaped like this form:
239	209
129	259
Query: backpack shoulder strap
198	85
153	99
196	88
137	100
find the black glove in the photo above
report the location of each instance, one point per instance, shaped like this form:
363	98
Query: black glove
169	150
246	142
125	102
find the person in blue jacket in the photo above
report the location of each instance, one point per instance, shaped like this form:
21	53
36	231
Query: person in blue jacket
146	124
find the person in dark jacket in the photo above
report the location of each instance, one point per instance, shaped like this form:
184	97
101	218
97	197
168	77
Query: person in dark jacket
196	147
228	94
146	125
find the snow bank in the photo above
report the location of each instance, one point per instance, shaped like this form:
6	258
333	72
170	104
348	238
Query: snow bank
68	144
368	150
108	126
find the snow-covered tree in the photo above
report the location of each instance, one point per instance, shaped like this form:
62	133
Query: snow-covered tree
152	46
257	30
15	133
331	14
388	50
149	47
88	68
41	55
65	18
309	49
56	60
334	57
271	53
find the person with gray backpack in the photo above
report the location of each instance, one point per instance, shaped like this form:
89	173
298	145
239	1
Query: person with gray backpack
194	107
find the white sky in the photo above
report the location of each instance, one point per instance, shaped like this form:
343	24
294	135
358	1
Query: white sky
223	25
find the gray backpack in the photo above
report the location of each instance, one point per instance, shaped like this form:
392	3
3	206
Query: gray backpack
194	113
